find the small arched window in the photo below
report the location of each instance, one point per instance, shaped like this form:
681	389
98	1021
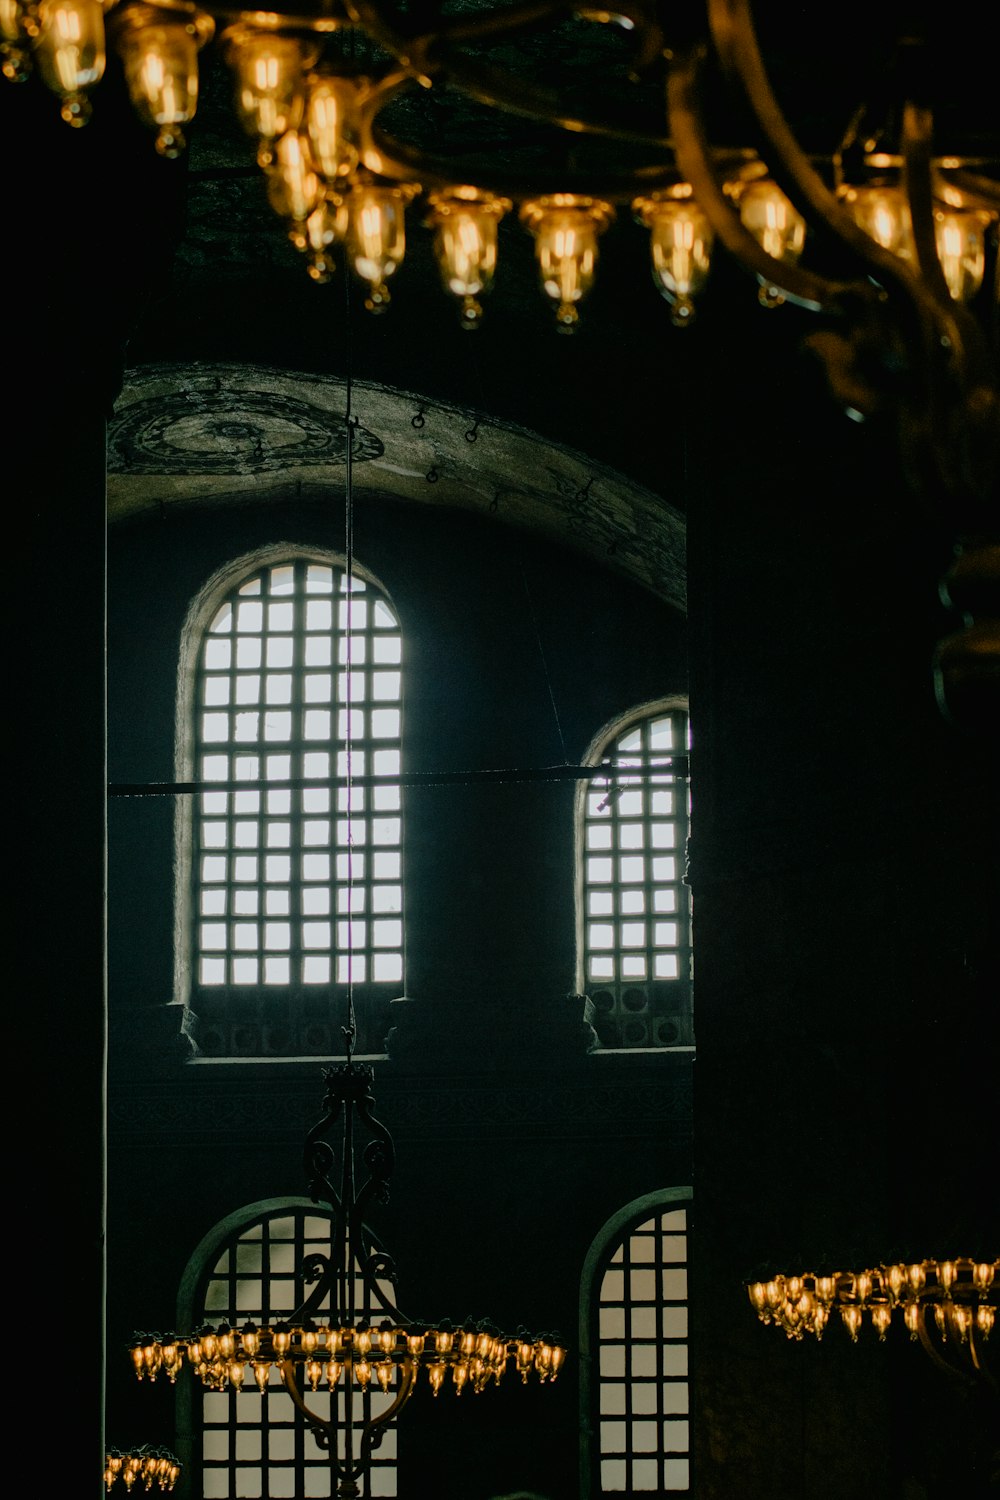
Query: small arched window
634	916
255	1444
295	845
633	1337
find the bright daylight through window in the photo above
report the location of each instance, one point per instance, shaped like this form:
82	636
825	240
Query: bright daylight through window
298	882
642	1359
636	918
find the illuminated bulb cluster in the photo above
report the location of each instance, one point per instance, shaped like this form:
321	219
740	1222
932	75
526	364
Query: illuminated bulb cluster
334	185
328	1356
953	1294
882	211
143	1467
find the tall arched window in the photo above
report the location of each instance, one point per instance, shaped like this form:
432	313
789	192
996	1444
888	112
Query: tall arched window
634	929
254	1444
295	839
633	1341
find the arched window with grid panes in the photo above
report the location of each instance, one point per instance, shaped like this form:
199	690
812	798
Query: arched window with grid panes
633	906
254	1443
292	676
634	1351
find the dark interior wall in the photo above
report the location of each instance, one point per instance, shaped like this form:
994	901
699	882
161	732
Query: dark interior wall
514	1143
844	879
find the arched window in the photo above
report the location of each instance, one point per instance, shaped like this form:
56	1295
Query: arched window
634	919
633	1340
253	1444
295	836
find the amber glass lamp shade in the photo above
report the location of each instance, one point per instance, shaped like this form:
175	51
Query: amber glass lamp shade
680	248
566	227
71	53
775	224
161	69
465	242
293	185
269	86
331	121
377	237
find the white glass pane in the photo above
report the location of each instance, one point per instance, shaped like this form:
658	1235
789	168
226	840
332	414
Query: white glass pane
387	648
612	1475
644	1437
674	1396
674	1321
612	1437
385	723
675	1284
248	653
319	614
318	651
280	651
611	1323
645	1474
317	724
675	1474
675	1437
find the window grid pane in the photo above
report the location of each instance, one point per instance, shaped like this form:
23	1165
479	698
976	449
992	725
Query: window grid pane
636	921
256	1445
285	878
643	1435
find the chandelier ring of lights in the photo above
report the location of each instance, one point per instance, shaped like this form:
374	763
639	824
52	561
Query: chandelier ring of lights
904	264
948	1305
914	230
334	1342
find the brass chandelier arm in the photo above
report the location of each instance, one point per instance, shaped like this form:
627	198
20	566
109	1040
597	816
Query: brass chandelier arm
959	379
437	56
979	1370
735	41
694	159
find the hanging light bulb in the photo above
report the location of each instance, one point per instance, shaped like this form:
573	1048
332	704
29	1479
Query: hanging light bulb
293	186
960	239
71	52
680	247
881	210
775	224
269	89
161	70
377	235
566	228
465	222
331	122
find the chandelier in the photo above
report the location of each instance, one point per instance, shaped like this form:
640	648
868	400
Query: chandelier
567	116
347	1337
141	1468
949	1306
